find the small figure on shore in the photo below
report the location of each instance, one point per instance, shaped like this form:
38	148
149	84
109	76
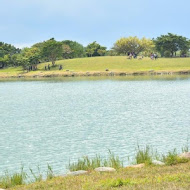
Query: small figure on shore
134	55
60	67
152	56
45	67
130	55
48	67
155	56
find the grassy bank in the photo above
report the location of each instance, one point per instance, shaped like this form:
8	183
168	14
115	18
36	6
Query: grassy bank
174	173
98	65
152	177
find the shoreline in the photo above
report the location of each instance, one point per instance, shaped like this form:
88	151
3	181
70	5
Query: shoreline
52	74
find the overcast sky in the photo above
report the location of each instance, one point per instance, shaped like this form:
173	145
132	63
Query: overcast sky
25	22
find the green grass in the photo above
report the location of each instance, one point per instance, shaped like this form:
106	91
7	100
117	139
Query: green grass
147	178
174	175
89	164
11	180
172	158
20	178
120	63
144	155
100	64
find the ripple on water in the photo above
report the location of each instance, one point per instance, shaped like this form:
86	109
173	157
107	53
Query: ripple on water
54	122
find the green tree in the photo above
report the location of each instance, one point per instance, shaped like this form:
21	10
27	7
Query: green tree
67	51
52	50
171	43
101	52
77	49
6	53
95	49
22	61
133	44
4	61
90	51
33	54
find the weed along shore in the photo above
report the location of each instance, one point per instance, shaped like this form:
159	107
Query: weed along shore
103	66
148	171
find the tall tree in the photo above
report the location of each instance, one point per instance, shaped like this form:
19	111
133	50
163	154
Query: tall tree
52	50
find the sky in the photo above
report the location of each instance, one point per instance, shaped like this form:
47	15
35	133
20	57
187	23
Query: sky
25	22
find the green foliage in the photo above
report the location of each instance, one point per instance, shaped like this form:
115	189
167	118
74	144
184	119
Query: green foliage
144	155
167	54
133	44
7	51
32	54
172	158
111	52
95	49
86	163
52	50
22	61
171	43
67	51
77	50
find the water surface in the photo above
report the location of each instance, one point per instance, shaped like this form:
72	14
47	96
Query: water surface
52	121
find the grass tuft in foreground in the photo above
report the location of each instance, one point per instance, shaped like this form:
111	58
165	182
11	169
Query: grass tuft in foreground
21	178
172	158
11	180
87	163
146	155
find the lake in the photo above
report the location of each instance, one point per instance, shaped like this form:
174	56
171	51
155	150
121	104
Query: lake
54	121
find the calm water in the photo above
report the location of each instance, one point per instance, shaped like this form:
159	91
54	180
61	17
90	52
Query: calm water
54	121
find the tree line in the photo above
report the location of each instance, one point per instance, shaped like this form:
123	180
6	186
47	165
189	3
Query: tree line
51	50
